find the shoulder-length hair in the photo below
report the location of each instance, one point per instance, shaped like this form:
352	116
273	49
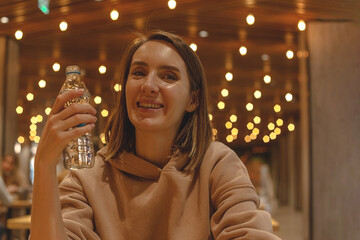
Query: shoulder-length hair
194	134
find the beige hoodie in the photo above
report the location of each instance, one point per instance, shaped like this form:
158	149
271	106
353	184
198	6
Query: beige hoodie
130	198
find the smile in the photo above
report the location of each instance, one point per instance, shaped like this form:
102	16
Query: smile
149	105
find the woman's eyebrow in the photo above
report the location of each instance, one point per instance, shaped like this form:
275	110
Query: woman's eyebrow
168	67
139	63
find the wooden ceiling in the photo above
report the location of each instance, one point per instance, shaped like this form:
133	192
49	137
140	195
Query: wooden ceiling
93	39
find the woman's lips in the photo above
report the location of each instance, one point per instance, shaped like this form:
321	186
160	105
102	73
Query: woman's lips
147	105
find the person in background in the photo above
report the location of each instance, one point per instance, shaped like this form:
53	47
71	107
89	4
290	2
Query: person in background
14	179
160	175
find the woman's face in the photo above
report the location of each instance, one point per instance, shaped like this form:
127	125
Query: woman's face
8	164
157	89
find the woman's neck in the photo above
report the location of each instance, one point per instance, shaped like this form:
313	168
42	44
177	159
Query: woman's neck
155	148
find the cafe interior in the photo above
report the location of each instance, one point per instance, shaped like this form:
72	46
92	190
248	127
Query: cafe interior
283	84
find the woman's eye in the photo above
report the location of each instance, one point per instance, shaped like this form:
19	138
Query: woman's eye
137	73
171	77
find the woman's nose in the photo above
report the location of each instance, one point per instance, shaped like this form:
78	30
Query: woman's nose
150	85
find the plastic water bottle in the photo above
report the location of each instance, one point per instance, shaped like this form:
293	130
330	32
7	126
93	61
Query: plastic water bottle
79	153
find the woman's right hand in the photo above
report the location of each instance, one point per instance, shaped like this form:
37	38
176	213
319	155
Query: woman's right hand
56	134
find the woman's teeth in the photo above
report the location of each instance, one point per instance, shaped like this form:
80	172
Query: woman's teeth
150	105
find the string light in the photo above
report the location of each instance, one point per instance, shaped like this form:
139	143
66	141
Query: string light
4	20
247	138
250	126
102	137
39	118
97	100
242	50
301	25
250	19
266	139
21	139
63	26
257	120
277	131
104	113
19	110
114	15
221	105
277	108
257	94
233	118
210	117
102	69
234	131
56	67
18	34
193	46
279	122
225	92
47	111
228	125
253	136
42	83
249	107
117	87
288	97
172	4
290	54
255	131
267	79
291	127
30	97
229	76
272	136
271	126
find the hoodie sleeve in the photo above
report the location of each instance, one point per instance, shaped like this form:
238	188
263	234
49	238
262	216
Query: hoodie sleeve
76	211
235	202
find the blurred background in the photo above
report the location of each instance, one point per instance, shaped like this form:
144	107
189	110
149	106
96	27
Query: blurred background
283	80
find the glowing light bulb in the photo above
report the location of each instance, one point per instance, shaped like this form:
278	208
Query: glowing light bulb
229	138
47	111
279	122
172	4
271	126
19	110
225	92
193	46
63	26
210	117
291	127
250	19
277	131
255	131
30	97
233	118
301	25
228	125
221	105
272	136
266	139
56	67
117	87
257	94
234	131
97	100
104	113
114	15
247	138
253	136
21	139
102	69
277	108
214	131
290	54
242	50
288	97
229	76
257	120
39	118
267	79
250	125
102	137
249	107
42	83
18	34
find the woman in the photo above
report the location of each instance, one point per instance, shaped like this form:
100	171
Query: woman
14	179
160	175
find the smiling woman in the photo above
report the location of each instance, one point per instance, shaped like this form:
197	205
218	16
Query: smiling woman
160	175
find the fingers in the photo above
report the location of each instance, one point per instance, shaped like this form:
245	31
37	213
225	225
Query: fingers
77	108
61	99
78	120
78	131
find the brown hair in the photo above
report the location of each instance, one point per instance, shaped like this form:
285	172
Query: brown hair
194	134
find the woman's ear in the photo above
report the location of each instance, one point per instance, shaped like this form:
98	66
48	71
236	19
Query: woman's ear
194	101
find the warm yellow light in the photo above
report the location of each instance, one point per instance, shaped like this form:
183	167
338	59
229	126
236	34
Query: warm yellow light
288	97
249	107
266	139
228	125
272	136
279	122
267	79
117	87
214	131
257	120
42	83
39	118
257	94
32	133
102	138
36	139
18	34
31	138
225	92
193	46
114	15
250	19
229	76
291	127
271	126
250	125
47	111
277	131
234	131
221	105
21	139
97	100
210	117
233	118
33	120
247	138
253	136
234	137
242	50
301	25
172	4
255	131
63	26
229	138
30	97
104	113
33	127
277	108
290	54
19	110
56	67
102	69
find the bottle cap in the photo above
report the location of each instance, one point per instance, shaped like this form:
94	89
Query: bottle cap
72	69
